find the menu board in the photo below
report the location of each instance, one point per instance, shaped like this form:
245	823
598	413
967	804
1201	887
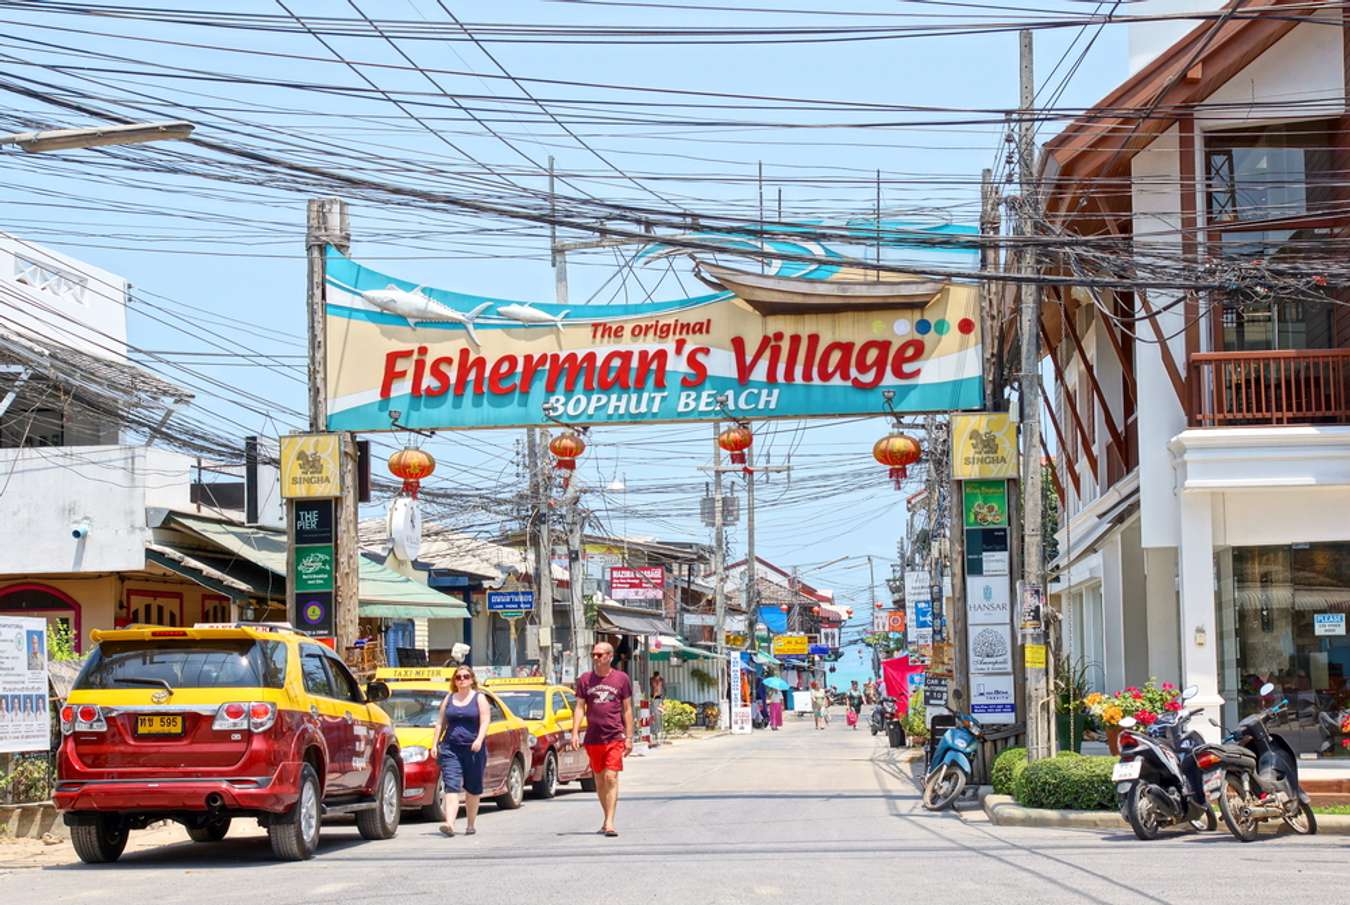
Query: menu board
25	724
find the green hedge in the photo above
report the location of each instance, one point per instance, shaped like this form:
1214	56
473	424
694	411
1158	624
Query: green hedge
1069	782
1005	766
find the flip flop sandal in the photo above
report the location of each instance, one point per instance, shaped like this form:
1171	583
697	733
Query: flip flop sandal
471	831
611	833
447	830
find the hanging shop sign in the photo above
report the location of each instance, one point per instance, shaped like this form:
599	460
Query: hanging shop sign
986	504
310	466
987	600
640	583
510	601
26	725
984	446
443	359
789	645
990	649
313	571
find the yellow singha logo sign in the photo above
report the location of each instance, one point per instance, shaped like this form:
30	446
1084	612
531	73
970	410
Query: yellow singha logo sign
310	462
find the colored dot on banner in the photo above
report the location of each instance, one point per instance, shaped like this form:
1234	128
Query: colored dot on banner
966	326
922	327
942	327
901	327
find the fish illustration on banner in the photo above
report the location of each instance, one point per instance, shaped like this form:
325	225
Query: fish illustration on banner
823	340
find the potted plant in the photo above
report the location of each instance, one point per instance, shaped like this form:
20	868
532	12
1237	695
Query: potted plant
1144	704
1071	691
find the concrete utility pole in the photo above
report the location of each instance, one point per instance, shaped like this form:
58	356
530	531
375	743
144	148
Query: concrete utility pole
990	293
1040	718
327	223
719	551
539	543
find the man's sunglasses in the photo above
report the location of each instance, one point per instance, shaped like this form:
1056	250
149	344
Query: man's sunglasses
599	655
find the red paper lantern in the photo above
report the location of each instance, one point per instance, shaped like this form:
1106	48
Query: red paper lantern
815	611
736	440
412	465
897	451
783	607
566	447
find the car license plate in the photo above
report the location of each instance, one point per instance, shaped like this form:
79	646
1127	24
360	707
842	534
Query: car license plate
1126	769
159	724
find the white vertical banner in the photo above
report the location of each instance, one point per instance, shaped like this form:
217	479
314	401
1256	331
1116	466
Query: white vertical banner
25	724
741	721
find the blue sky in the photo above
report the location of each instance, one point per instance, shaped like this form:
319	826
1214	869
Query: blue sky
225	261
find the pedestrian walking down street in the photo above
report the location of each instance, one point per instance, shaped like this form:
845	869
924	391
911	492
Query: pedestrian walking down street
818	700
775	700
855	704
461	728
605	702
658	717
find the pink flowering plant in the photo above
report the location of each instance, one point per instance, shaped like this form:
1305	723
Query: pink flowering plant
1145	704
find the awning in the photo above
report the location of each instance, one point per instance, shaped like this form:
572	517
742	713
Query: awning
628	622
764	659
385	594
842	613
195	570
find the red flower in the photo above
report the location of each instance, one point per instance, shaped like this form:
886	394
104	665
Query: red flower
1173	706
1131	690
1137	696
1146	717
1168	686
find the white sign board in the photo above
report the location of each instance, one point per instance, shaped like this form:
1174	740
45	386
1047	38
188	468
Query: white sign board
995	562
25	724
991	699
879	620
916	587
829	637
988	601
1328	623
990	649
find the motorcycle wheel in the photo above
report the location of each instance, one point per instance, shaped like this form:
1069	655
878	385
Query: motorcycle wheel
1206	824
1302	821
943	787
1234	802
1142	814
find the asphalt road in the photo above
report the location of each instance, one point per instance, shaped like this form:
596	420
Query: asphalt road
794	816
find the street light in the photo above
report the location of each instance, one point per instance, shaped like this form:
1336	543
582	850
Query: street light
98	136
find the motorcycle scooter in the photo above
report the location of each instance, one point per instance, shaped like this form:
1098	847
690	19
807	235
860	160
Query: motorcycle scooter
1260	778
1166	774
952	763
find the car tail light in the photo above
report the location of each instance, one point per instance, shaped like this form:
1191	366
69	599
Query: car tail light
1207	759
88	718
253	715
67	720
169	634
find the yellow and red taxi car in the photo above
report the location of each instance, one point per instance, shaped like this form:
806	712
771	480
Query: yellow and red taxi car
415	696
547	711
205	724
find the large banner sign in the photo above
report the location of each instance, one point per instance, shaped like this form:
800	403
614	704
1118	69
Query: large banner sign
443	359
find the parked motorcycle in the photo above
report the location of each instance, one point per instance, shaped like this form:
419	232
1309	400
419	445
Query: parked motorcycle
1260	778
1166	774
877	722
952	763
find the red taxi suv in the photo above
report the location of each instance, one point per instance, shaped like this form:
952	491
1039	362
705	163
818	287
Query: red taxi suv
208	724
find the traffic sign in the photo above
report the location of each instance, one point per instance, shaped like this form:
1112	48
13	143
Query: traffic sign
506	601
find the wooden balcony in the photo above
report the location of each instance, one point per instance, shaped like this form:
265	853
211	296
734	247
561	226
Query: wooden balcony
1293	386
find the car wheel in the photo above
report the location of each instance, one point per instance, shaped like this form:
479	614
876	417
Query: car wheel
587	783
381	821
436	810
547	786
295	835
515	788
101	842
210	832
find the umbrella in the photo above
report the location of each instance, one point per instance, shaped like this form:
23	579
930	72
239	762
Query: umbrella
775	682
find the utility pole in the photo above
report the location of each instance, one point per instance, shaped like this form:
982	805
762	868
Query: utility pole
719	556
1040	720
536	537
990	293
327	224
751	579
581	636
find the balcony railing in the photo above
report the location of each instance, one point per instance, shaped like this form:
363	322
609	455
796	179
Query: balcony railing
1293	386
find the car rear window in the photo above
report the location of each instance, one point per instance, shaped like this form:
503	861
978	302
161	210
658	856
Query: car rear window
185	664
528	705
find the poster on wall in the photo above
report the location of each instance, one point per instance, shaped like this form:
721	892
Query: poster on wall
990	649
991	699
444	359
25	723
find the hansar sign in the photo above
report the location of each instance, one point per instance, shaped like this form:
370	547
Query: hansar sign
444	359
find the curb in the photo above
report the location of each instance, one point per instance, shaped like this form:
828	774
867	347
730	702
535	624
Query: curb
31	821
1003	811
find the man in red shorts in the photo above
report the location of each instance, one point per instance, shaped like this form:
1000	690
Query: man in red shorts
604	701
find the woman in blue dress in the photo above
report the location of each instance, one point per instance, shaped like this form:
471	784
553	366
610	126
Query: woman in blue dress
461	730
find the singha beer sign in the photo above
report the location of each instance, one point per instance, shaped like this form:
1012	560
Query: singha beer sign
984	446
310	466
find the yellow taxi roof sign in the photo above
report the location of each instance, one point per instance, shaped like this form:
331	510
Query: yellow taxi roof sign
415	673
523	680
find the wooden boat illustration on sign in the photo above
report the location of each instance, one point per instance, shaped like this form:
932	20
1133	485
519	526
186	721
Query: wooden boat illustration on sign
789	295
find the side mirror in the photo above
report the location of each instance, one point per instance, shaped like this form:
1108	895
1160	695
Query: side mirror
1213	722
1189	692
377	692
1267	688
561	715
1127	722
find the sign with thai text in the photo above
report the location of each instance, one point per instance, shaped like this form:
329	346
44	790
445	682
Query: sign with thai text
444	359
641	583
789	645
25	723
